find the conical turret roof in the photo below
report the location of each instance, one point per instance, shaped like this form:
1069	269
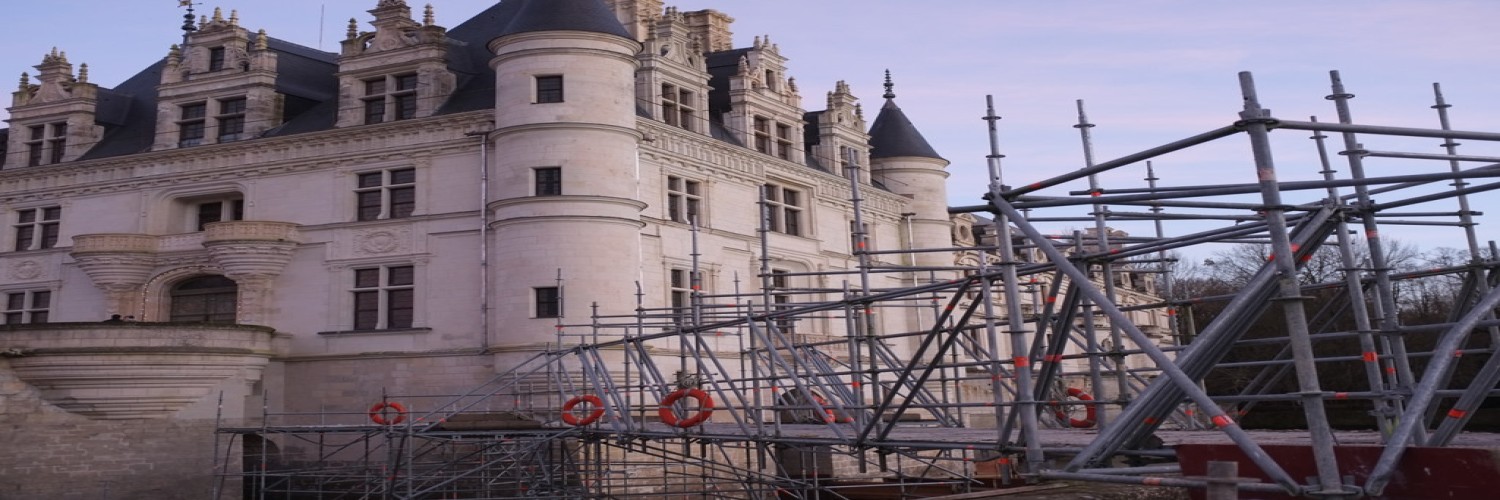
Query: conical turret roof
893	135
559	15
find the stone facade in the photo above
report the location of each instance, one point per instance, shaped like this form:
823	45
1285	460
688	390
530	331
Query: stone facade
409	216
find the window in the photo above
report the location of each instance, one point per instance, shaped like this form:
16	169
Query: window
549	89
783	141
848	158
677	106
231	119
859	237
27	307
405	97
219	211
763	135
548	181
216	59
381	102
190	127
548	301
36	228
387	194
781	300
46	142
684	198
784	209
204	299
35	146
384	297
681	293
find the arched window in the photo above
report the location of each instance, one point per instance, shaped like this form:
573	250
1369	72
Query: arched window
204	299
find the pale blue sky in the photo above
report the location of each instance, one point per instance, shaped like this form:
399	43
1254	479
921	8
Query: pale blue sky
1150	71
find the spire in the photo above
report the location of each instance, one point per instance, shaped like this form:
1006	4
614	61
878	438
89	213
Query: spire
893	135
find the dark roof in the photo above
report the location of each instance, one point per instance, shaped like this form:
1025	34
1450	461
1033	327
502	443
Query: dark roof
893	135
559	15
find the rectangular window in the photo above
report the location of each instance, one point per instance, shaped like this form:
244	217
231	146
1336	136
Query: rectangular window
374	101
384	297
859	237
405	97
386	194
677	106
783	141
548	301
191	125
549	89
37	228
219	211
681	292
27	307
548	181
763	135
35	146
216	59
684	199
57	143
783	209
231	119
781	299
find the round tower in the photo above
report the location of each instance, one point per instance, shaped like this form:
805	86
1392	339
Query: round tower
901	159
563	177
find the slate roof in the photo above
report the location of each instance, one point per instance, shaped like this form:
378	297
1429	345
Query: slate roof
306	77
893	135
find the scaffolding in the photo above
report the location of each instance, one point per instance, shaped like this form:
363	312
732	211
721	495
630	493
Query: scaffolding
1029	370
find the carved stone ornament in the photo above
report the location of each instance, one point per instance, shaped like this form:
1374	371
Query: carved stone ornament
380	241
26	270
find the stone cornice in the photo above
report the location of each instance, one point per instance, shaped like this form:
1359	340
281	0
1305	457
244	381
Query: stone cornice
237	160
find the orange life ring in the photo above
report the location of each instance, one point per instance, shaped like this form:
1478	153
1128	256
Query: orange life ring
573	420
1090	413
377	413
831	418
705	408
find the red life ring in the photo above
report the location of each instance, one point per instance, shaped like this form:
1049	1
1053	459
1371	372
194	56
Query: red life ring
573	420
1089	411
377	413
705	408
831	418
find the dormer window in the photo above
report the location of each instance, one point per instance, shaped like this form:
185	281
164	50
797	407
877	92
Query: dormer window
216	59
191	125
390	96
763	134
231	119
35	147
677	106
46	142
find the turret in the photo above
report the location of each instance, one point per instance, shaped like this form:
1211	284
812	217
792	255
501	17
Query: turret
564	177
901	159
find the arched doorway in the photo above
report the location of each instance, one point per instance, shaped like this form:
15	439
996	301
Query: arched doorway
204	299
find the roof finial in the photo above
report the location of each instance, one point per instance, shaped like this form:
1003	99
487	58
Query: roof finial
234	17
427	17
187	18
25	80
890	92
353	29
261	43
83	73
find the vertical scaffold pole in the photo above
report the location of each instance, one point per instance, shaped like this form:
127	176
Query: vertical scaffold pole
1255	120
1025	403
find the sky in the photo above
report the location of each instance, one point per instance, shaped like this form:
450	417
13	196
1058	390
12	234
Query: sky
1148	72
